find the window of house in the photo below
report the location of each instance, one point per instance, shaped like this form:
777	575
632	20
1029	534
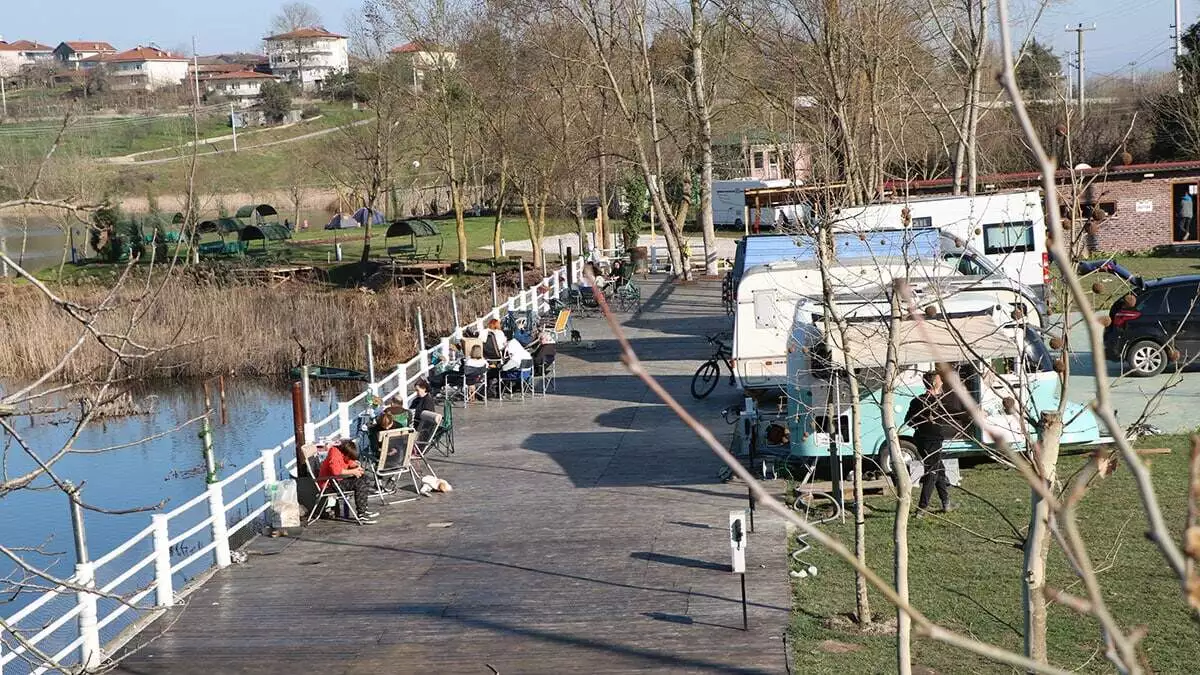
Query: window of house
1014	237
1087	210
758	158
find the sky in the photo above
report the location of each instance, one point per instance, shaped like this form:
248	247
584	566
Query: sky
1127	31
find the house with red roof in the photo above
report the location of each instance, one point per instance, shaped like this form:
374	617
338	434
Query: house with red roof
307	56
145	68
421	57
20	54
73	53
241	85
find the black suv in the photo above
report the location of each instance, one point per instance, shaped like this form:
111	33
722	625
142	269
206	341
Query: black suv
1164	318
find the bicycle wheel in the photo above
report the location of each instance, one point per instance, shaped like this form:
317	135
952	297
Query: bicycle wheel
705	379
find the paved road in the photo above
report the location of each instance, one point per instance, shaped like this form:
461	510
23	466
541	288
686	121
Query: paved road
586	533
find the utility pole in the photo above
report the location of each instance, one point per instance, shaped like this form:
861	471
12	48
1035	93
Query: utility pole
1178	45
233	125
1079	30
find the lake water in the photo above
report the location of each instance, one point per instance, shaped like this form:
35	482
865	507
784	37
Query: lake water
43	241
167	469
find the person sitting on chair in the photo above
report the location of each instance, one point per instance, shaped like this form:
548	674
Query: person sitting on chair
341	464
514	354
384	422
493	328
474	370
422	402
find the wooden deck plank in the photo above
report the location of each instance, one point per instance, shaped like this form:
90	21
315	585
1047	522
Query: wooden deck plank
588	535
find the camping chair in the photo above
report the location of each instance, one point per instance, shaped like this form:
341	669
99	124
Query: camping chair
443	437
521	376
629	296
395	460
474	381
544	368
495	358
331	489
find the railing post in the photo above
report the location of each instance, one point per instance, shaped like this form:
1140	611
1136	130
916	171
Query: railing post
445	349
163	584
268	467
310	432
343	420
220	531
90	655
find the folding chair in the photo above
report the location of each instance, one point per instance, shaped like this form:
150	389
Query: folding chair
495	358
395	460
427	428
561	326
443	437
331	489
544	368
474	380
522	377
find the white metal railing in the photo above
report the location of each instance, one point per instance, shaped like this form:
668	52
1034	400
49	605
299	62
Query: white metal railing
78	623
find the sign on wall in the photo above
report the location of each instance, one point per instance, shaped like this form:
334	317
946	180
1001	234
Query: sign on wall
1144	206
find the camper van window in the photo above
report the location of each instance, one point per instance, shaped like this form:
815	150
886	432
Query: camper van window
923	221
1016	237
1038	358
968	267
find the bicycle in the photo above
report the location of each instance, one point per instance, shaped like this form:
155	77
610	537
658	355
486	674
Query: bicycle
705	379
728	298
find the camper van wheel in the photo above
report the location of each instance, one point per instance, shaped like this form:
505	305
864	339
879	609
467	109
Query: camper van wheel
884	459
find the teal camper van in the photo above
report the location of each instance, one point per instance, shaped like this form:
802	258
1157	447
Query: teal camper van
1003	361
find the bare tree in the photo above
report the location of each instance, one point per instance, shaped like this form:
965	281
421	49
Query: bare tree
293	16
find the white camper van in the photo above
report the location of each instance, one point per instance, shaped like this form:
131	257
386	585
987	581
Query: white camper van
729	204
768	295
1007	228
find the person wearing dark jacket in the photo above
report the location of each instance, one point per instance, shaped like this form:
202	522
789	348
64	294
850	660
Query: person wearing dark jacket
422	402
933	417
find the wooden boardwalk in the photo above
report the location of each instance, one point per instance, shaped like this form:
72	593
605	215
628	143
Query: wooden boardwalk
586	533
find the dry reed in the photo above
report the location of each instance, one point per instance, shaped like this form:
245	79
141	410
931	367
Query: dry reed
238	330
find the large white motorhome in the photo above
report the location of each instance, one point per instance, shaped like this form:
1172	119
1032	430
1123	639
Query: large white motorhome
768	294
1007	228
729	205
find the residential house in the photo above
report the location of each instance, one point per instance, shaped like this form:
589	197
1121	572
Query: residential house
22	55
761	157
73	54
244	86
1129	207
307	56
420	58
145	68
231	63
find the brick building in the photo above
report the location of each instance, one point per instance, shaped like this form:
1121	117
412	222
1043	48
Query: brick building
1141	202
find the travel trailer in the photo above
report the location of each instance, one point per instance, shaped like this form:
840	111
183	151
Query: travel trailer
1007	228
1000	357
730	211
767	294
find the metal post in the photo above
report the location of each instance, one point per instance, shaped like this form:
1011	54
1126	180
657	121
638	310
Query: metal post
454	305
1178	44
570	269
370	361
163	584
745	618
90	655
560	250
210	461
1079	30
233	124
221	394
220	532
495	290
420	331
298	428
307	393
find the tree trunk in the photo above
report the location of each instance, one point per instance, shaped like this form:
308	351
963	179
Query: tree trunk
862	602
704	216
1037	542
602	174
903	493
578	216
498	226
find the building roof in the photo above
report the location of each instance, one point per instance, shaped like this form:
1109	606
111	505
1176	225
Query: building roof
414	47
310	32
239	75
25	46
87	46
1033	178
135	55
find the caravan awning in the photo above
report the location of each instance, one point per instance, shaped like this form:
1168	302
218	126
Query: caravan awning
928	340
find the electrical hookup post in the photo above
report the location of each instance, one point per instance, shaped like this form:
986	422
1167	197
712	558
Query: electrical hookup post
737	544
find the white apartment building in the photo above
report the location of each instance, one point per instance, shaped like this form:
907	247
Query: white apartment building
20	54
421	58
244	86
307	56
145	68
72	54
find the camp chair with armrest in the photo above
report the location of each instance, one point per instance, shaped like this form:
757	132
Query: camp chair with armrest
395	460
561	325
521	376
427	429
544	368
443	437
326	487
474	383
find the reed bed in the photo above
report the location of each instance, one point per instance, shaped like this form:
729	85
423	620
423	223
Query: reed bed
209	329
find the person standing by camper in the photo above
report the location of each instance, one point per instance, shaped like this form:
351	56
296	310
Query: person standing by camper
932	417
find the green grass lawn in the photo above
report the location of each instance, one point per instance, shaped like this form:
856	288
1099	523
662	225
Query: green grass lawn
109	137
973	586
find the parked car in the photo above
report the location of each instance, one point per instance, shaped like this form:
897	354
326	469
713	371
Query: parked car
1161	326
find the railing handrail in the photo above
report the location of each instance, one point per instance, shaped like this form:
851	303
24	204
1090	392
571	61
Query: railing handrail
219	507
